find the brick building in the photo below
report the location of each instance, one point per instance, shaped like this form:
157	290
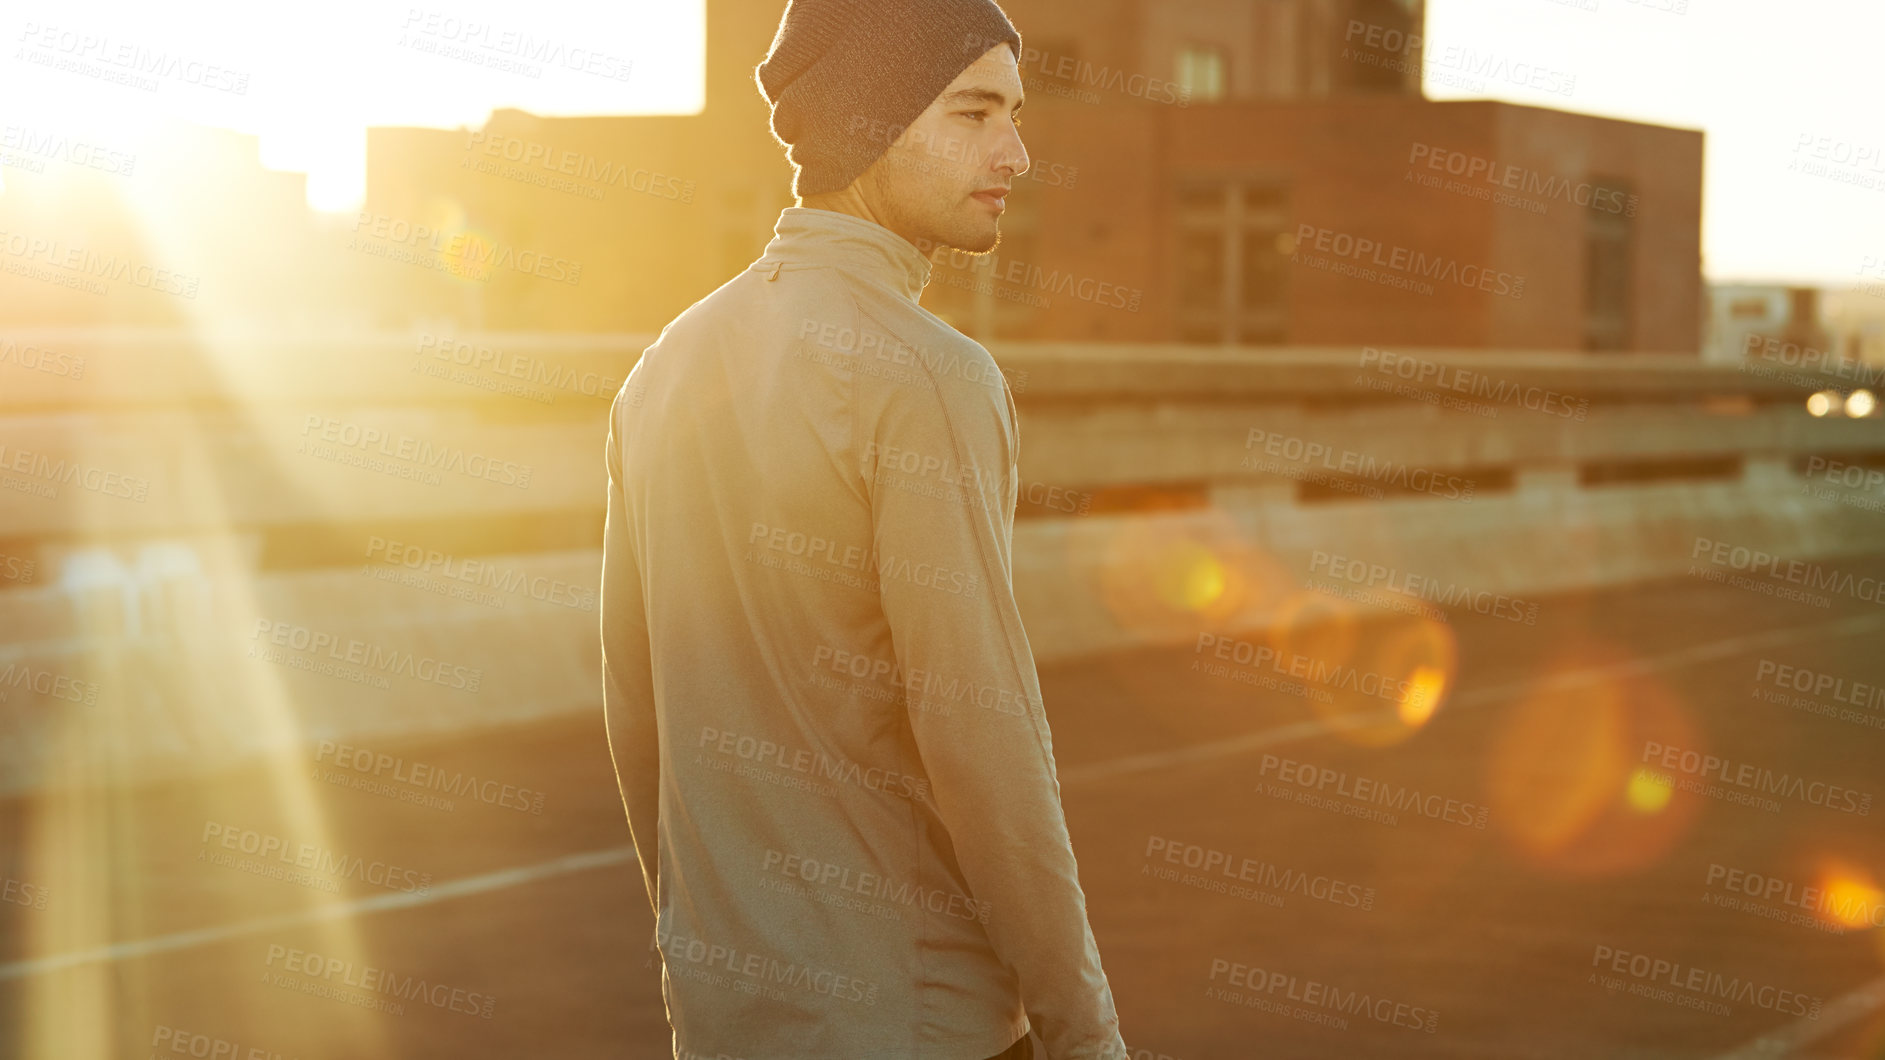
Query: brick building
1234	171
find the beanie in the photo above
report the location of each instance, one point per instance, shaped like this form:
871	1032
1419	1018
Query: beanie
845	78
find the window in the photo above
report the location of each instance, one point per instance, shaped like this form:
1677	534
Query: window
1749	309
1201	73
1233	260
1607	252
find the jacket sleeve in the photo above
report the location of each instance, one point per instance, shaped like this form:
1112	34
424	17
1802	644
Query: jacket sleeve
627	672
939	463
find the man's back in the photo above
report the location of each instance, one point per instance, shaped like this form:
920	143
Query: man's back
810	638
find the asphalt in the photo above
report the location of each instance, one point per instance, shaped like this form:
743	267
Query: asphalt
1488	914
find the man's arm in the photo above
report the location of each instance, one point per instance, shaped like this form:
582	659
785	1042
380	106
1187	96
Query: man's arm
628	701
944	568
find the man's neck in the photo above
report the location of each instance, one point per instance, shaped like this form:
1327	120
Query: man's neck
848	201
844	200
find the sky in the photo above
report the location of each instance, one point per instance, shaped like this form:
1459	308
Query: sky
308	79
1787	96
1771	85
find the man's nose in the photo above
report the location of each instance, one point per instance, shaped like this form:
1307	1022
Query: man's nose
1013	154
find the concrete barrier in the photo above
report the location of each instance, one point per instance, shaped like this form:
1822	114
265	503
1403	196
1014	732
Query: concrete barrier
265	589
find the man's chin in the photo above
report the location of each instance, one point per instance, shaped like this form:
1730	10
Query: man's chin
980	246
980	238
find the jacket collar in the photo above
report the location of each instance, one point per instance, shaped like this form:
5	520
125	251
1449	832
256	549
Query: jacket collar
806	236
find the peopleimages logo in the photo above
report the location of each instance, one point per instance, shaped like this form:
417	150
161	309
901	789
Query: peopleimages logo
806	548
758	974
19	892
1373	792
1751	777
1820	362
180	1042
925	690
516	44
465	252
1264	874
80	48
1339	676
887	347
326	970
41	360
1398	259
315	858
1520	179
504	366
1455	65
1358	465
481	574
1812	575
1425	372
882	458
1000	270
1702	981
1420	587
873	886
47	683
44	476
44	144
529	156
1316	994
1060	68
1846	907
430	777
379	446
1817	683
83	261
16	569
362	653
950	152
762	752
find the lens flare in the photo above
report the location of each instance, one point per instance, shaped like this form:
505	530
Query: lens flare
1422	697
1861	404
1566	780
1648	792
1823	403
1383	688
1170	577
1193	578
1850	897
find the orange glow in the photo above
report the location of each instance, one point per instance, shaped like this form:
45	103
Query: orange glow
1565	776
1329	622
1168	577
1192	578
1851	897
1424	690
1381	690
1648	793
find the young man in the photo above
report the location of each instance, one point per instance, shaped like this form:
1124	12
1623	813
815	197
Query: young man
822	708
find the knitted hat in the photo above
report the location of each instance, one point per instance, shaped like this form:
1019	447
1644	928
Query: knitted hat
845	78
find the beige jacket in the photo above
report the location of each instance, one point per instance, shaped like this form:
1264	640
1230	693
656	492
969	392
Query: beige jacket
821	704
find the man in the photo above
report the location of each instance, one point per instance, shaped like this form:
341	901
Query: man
822	708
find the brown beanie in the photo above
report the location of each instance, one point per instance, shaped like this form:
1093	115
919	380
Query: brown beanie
845	78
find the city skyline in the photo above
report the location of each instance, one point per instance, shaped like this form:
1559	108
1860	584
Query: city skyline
1794	184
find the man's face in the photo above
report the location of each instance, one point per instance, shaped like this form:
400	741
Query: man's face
944	180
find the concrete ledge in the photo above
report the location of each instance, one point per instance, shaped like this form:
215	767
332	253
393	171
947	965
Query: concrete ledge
178	689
